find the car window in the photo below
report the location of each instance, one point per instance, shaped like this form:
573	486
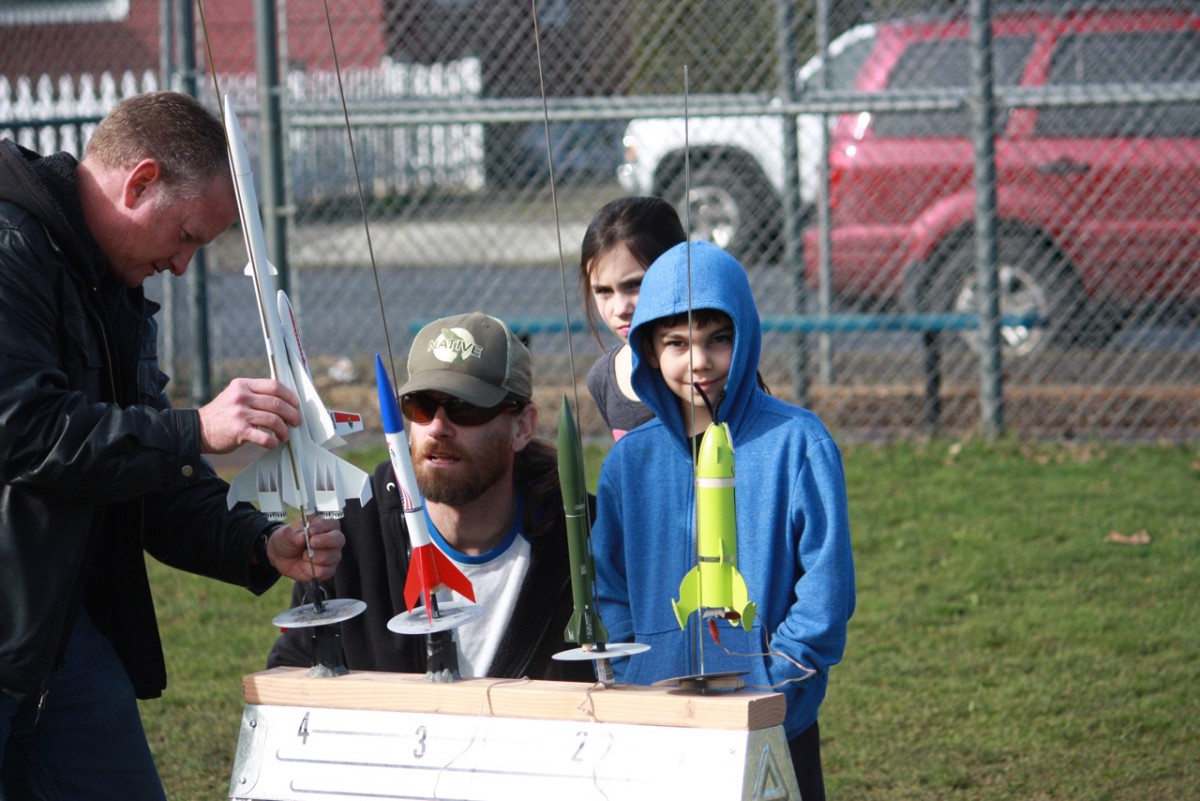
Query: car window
847	64
1134	57
946	64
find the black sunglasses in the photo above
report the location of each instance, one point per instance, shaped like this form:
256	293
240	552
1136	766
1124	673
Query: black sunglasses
422	409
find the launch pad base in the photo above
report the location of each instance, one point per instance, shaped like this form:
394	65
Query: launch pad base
612	650
704	683
451	615
335	610
396	736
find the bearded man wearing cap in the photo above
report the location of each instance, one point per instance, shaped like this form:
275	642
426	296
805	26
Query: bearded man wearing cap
494	507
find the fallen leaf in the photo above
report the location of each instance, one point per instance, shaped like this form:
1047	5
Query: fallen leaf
1140	537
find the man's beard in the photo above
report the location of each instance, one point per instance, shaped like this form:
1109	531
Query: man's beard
477	471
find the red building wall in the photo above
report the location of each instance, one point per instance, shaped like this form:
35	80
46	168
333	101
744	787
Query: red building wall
133	44
357	31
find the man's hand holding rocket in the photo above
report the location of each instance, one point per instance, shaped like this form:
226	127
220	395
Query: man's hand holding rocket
287	554
250	411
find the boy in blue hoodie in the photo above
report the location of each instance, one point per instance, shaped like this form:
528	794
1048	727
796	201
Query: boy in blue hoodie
793	528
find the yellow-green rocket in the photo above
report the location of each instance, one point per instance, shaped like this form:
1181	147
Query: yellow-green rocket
714	586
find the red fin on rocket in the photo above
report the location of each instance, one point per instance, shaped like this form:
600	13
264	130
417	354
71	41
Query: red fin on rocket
428	571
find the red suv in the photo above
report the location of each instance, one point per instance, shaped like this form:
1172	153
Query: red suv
1098	206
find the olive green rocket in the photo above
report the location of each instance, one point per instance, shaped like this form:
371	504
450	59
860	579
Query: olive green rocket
585	626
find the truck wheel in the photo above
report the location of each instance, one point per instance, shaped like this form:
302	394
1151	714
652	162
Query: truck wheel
729	209
1034	278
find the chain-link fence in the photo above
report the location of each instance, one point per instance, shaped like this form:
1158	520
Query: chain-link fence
913	273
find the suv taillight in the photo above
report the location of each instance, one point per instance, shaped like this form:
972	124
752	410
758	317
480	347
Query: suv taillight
835	180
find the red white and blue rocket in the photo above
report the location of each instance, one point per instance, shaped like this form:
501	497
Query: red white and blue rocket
429	569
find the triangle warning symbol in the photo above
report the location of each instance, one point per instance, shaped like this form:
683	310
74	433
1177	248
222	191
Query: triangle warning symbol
771	785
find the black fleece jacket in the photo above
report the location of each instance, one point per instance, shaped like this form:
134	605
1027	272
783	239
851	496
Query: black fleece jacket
373	569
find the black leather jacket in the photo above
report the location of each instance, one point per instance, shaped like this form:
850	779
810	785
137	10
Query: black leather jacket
95	466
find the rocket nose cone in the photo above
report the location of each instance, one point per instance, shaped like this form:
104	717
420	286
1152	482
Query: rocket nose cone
389	409
715	457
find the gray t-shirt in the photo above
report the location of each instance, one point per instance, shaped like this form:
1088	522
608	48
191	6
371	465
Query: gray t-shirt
619	412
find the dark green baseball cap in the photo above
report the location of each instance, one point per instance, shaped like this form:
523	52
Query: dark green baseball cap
471	356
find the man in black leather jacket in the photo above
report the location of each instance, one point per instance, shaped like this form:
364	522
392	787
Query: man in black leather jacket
95	467
494	508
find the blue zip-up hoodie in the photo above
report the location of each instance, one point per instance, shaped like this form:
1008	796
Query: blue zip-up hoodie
793	526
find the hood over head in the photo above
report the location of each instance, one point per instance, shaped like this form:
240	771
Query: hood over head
46	187
717	281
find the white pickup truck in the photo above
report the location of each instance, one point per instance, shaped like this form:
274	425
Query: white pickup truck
737	166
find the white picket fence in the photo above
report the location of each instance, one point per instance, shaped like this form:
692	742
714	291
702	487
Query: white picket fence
49	114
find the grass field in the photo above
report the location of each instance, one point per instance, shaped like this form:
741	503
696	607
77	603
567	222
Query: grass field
1004	646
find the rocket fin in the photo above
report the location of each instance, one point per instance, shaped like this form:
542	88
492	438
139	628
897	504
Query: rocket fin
268	482
451	577
416	585
689	596
316	417
332	478
576	630
345	423
262	483
571	633
742	604
249	269
429	569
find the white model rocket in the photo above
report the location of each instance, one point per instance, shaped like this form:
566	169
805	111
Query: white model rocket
299	473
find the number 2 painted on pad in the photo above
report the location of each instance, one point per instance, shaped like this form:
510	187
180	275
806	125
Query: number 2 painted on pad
578	755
